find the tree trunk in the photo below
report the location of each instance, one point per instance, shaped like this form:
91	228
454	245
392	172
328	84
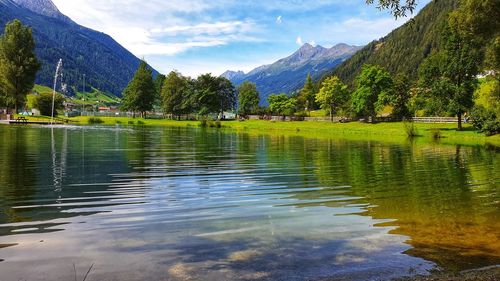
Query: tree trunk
331	114
460	121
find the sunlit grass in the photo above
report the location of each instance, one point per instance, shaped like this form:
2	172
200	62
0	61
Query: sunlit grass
394	132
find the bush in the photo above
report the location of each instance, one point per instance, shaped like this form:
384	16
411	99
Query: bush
410	129
44	103
139	122
436	133
485	121
95	120
131	122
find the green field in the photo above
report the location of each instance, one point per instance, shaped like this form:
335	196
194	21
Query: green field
95	97
394	132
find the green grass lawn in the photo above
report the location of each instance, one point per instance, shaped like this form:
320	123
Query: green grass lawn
95	97
394	132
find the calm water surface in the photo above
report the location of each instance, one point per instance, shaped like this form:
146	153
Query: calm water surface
193	204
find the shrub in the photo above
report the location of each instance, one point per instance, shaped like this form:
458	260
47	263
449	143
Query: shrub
139	122
44	103
485	121
131	122
436	133
410	129
95	120
118	122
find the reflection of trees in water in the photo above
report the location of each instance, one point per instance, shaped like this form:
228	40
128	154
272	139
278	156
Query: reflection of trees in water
18	172
443	198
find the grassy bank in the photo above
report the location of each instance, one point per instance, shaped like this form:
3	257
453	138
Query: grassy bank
447	133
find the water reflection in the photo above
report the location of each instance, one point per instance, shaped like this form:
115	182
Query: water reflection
180	203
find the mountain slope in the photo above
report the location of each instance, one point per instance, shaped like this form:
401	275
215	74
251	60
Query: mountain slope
404	49
106	64
288	74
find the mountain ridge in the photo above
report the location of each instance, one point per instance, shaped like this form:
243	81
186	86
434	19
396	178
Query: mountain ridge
107	65
288	74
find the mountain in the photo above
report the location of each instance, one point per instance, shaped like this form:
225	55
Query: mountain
43	7
405	48
106	64
288	74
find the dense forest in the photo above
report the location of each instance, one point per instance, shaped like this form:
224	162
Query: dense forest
404	49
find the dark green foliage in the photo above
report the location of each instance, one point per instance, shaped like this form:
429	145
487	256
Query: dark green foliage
248	98
176	93
214	95
449	76
159	81
139	95
373	86
403	50
43	102
485	120
107	65
307	96
399	98
399	8
18	63
95	120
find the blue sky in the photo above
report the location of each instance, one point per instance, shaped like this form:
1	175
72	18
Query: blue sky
200	36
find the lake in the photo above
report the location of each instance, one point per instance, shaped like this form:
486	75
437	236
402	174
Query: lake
200	204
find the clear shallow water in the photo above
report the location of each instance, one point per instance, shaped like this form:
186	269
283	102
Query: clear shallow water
189	204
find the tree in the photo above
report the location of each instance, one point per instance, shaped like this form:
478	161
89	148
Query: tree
248	98
400	97
139	95
18	64
399	8
159	80
214	95
450	74
282	104
333	94
43	102
372	85
175	94
307	95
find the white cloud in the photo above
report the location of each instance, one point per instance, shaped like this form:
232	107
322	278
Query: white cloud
279	20
298	41
313	43
207	28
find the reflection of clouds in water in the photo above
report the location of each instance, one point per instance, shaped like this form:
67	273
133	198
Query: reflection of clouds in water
348	258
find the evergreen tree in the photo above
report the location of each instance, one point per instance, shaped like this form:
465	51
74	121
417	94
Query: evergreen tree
374	83
175	94
18	64
333	94
139	95
248	98
307	95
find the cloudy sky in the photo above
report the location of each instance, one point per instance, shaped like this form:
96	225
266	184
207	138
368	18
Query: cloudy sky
200	36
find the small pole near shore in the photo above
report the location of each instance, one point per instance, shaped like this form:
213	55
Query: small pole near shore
58	70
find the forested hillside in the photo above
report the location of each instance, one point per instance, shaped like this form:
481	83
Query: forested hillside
106	64
403	50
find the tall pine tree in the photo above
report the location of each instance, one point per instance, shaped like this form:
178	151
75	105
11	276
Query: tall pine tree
18	64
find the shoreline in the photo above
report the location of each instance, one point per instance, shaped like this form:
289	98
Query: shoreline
387	132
